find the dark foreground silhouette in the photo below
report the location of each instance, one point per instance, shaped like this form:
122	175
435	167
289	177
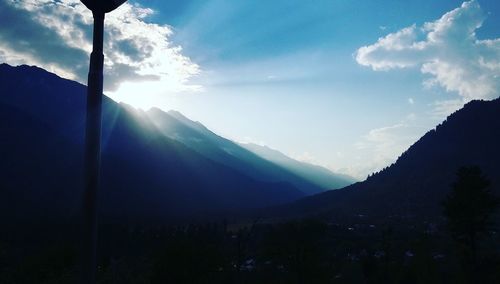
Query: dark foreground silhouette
174	213
300	251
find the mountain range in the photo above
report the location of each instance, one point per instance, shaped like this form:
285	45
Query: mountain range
155	164
318	175
246	158
161	165
416	184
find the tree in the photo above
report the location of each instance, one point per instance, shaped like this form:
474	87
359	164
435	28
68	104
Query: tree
468	209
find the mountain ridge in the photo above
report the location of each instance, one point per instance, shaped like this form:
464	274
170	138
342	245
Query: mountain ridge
144	174
201	139
418	181
317	174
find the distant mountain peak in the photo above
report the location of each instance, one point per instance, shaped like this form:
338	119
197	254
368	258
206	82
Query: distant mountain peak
319	175
176	113
201	139
22	67
145	174
416	184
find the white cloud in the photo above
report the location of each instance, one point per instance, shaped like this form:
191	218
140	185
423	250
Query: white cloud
383	139
381	146
446	107
411	117
447	50
135	50
411	101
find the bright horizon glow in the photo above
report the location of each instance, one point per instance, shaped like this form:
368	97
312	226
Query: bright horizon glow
138	94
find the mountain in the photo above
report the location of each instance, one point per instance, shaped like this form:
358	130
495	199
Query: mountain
308	179
415	185
145	174
320	176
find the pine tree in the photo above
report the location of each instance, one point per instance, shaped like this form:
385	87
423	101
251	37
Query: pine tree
468	209
470	205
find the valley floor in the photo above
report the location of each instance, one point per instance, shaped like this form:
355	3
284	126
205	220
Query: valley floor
298	251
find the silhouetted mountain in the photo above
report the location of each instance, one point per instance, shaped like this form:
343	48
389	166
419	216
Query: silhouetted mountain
419	180
145	175
197	137
37	168
318	175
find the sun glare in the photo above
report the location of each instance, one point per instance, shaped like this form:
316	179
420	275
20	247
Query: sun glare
143	95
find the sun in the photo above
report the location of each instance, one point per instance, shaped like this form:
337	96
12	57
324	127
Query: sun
144	95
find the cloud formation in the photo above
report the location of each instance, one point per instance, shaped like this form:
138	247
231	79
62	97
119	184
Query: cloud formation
383	145
57	35
447	50
441	109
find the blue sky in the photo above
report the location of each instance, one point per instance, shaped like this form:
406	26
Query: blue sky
345	84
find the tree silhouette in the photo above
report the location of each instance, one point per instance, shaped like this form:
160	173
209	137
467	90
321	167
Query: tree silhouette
468	209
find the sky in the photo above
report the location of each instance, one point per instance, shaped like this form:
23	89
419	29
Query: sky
346	84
